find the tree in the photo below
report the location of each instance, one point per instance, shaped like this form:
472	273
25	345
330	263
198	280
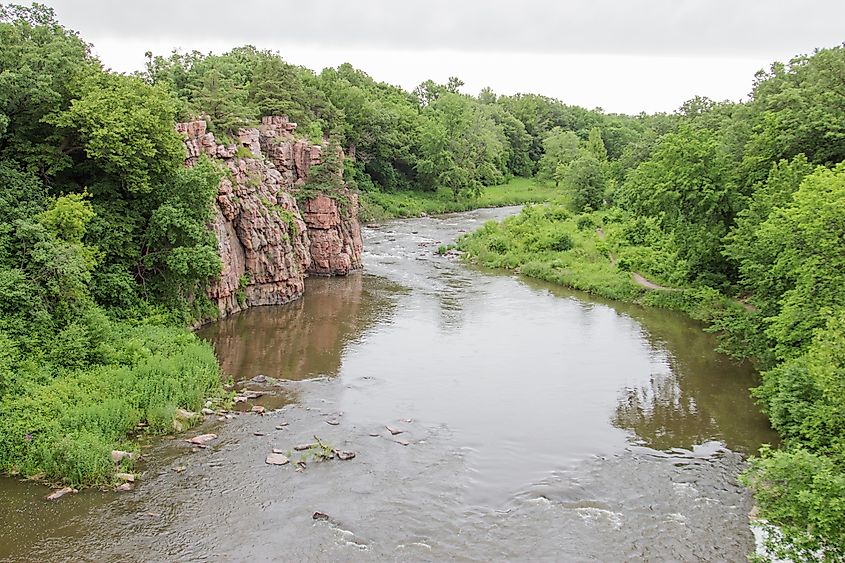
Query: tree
560	148
688	187
595	145
462	147
126	127
585	180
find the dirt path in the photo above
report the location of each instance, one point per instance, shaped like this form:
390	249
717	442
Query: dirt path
638	278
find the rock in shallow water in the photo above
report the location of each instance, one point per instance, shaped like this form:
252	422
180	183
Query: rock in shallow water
276	459
202	439
56	495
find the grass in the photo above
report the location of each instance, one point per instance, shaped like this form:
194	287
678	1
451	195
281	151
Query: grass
64	428
376	206
594	253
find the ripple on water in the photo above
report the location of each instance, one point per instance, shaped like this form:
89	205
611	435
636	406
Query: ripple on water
540	425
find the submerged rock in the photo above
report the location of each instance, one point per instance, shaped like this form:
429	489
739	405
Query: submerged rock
320	516
56	495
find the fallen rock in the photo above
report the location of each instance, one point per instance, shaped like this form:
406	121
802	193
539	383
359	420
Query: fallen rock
128	477
394	431
240	399
276	459
202	439
343	455
124	487
320	516
260	378
56	495
207	411
281	426
402	442
278	451
333	422
375	434
249	394
180	469
303	447
257	433
258	409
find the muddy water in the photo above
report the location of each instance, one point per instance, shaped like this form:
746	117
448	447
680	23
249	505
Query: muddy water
540	424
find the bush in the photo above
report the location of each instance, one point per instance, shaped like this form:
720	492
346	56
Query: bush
65	428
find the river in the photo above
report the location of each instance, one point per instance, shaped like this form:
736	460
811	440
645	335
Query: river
536	423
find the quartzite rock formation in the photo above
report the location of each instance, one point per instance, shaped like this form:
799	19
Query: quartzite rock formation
266	242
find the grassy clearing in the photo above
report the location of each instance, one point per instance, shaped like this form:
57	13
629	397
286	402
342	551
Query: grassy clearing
376	206
595	253
63	427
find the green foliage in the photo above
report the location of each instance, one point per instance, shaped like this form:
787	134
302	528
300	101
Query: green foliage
518	191
126	127
461	147
585	180
65	428
802	499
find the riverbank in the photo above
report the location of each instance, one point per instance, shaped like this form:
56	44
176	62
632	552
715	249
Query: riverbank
651	469
603	253
379	206
62	428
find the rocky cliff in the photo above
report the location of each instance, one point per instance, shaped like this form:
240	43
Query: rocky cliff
268	241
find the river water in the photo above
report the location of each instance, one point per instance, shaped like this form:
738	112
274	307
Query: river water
536	424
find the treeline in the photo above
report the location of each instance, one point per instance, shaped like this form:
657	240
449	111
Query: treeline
727	200
434	137
104	239
104	249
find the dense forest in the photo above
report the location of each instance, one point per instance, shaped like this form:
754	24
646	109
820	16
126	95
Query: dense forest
737	210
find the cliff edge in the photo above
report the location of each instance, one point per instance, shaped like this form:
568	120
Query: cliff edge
267	240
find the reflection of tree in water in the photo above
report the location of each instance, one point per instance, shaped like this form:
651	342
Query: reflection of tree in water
698	394
701	395
663	416
305	338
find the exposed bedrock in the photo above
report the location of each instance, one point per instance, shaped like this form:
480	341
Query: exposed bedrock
267	241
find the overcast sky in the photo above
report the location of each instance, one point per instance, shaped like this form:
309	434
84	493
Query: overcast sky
623	55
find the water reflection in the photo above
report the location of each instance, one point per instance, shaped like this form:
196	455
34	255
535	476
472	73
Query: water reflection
696	395
305	338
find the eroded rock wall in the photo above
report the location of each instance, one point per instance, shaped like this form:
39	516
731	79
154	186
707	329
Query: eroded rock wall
266	243
335	234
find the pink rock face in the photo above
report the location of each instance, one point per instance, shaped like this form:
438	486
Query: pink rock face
335	234
267	245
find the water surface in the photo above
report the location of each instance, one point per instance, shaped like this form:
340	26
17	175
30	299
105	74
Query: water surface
541	424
